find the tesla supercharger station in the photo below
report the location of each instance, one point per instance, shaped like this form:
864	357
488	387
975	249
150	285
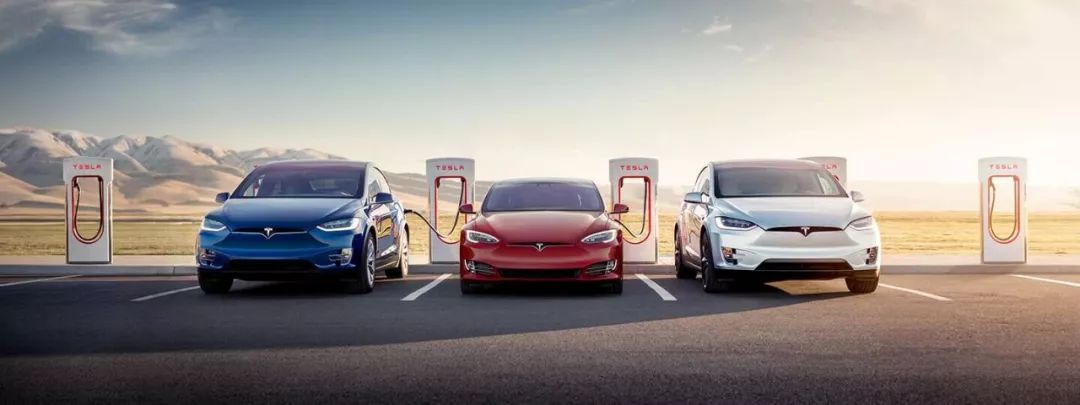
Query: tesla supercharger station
1003	208
88	213
443	173
642	248
835	165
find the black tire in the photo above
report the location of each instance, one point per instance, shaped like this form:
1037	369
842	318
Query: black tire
862	285
402	268
615	287
682	271
469	288
215	284
709	279
365	276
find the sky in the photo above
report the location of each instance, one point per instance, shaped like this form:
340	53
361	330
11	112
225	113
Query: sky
907	90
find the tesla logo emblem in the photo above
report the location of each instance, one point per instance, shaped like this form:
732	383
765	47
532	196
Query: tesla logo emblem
268	232
539	247
805	231
450	168
634	168
86	166
1004	166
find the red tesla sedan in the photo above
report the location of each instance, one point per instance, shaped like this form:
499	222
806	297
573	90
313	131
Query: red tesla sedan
541	230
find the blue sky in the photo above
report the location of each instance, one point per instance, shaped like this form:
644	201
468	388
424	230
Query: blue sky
907	89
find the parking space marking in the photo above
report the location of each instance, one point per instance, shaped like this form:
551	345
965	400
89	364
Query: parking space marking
38	280
416	294
916	292
1048	280
162	294
664	294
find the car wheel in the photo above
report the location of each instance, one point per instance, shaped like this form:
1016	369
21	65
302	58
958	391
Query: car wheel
469	288
682	271
862	285
402	269
709	278
615	287
365	278
215	284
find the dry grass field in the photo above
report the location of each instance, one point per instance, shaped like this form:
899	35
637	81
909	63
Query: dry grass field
902	233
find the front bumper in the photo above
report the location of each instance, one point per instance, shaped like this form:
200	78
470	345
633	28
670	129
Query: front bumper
562	263
791	255
292	256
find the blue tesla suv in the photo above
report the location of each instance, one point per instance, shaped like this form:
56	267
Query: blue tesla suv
305	219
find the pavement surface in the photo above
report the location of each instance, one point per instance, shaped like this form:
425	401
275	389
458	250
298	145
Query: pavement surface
185	265
962	338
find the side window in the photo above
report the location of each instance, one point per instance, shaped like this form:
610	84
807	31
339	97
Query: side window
702	183
372	188
384	185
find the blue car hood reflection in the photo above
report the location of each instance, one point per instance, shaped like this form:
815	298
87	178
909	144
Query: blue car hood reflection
285	212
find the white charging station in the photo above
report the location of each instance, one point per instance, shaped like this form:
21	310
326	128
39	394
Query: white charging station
88	214
440	173
643	248
837	166
1003	209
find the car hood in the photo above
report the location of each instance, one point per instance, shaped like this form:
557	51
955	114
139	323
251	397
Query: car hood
284	212
772	212
541	226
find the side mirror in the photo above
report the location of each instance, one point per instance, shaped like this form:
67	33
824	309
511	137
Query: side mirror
221	198
467	209
857	196
382	198
694	198
620	209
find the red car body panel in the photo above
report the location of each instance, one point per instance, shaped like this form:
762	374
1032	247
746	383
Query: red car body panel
563	256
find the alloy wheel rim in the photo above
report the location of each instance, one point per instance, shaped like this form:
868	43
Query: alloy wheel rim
369	265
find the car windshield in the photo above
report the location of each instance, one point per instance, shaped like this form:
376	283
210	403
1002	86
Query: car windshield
543	196
302	182
776	182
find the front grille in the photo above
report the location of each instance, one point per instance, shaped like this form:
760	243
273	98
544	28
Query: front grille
809	229
262	231
540	246
270	266
539	273
807	265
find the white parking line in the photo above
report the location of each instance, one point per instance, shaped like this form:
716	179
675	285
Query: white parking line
416	294
1048	280
664	294
916	292
37	280
162	294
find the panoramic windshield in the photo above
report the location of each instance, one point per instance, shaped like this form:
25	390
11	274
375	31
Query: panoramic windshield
776	182
302	182
543	196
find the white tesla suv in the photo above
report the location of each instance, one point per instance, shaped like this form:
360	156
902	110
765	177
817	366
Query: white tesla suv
771	220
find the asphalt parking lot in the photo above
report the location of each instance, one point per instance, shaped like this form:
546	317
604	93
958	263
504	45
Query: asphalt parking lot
920	338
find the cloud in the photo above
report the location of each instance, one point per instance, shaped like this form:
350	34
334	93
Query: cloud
590	7
122	27
717	27
734	48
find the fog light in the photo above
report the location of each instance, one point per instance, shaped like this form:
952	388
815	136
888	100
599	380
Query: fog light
206	256
479	268
599	269
342	257
871	255
729	255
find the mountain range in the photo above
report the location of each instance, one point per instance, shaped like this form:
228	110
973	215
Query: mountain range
168	176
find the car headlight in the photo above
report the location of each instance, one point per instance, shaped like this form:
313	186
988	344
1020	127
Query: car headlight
211	225
480	237
862	224
607	236
734	224
337	225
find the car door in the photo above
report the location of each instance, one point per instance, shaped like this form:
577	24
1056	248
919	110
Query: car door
379	215
695	218
394	220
